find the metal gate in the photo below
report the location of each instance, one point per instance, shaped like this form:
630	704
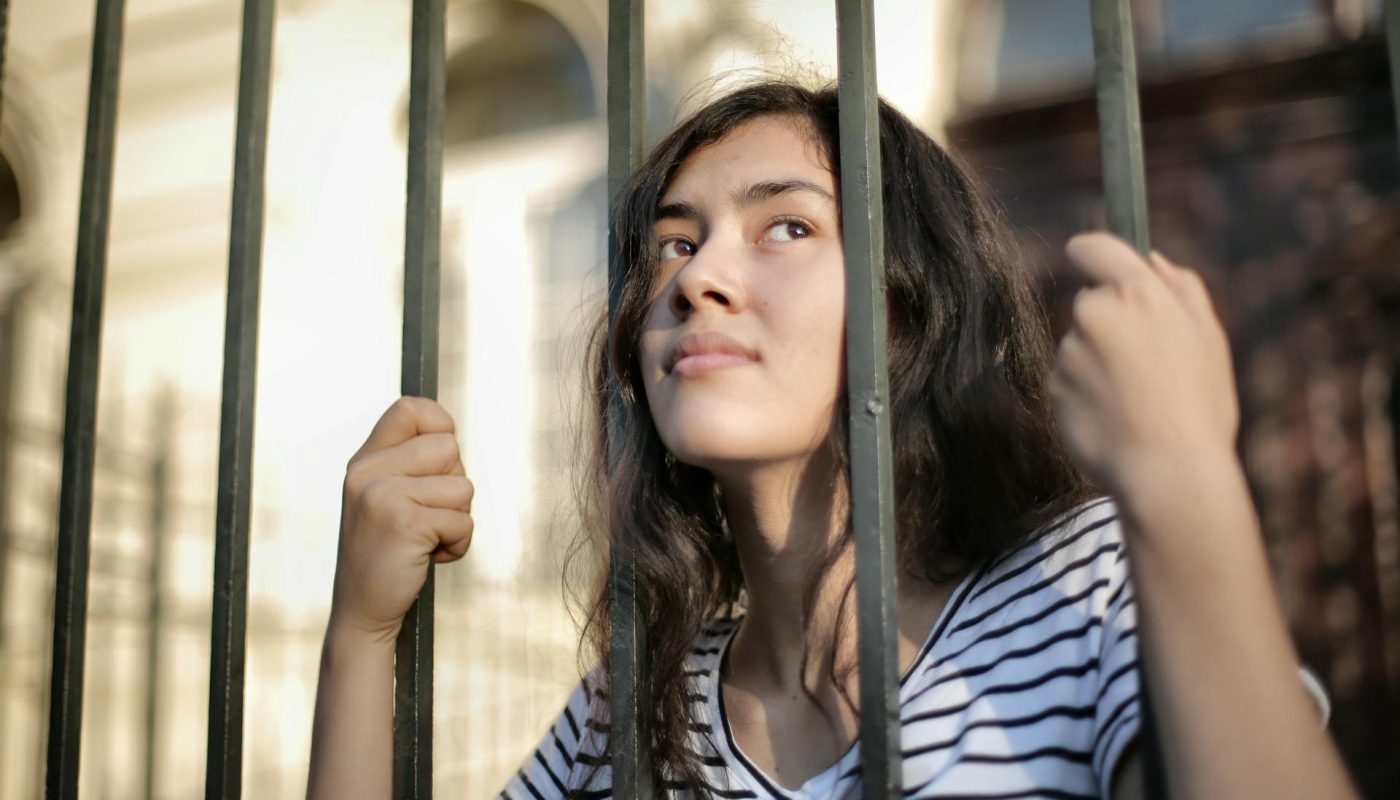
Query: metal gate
873	511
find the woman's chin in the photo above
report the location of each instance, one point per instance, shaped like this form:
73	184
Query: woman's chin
713	438
729	457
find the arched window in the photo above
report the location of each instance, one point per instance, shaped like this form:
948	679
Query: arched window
526	73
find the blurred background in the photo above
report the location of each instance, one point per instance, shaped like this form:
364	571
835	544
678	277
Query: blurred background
1272	167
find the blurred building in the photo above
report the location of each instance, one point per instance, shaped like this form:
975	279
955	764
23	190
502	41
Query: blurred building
1273	166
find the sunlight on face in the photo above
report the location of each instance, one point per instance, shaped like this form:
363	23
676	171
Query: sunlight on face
742	349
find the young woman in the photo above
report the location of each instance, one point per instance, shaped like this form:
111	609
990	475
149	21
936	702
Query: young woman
1019	628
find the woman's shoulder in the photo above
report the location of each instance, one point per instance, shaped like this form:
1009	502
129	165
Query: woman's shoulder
1075	539
1077	562
707	649
718	628
590	697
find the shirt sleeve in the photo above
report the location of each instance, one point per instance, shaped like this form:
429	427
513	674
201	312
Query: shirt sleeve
568	756
1319	697
1117	713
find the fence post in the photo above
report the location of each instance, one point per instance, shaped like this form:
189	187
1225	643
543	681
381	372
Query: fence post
1120	122
228	648
9	334
630	755
1392	36
9	313
155	578
1125	199
80	411
413	664
867	388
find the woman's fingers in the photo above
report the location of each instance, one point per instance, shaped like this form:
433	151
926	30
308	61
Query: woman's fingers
1189	288
424	454
451	492
1105	259
454	533
1161	265
406	418
407	503
1143	373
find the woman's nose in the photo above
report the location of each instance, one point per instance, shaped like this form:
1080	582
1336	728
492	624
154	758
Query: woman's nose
707	279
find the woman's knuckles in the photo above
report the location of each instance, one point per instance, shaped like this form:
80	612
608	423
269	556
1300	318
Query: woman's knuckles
421	412
442	451
375	496
357	478
408	527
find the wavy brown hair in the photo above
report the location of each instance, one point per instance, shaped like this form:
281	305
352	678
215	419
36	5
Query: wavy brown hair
978	465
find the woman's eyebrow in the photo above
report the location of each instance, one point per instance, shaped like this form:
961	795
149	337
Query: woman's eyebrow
747	197
758	192
684	211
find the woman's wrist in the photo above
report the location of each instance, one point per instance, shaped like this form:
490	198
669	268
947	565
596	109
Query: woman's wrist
1167	486
344	637
352	739
1189	521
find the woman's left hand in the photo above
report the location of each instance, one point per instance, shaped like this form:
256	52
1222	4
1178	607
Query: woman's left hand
1143	383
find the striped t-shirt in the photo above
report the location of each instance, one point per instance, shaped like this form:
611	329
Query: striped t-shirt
1027	686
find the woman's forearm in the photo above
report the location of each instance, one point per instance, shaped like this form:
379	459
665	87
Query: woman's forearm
1233	717
352	736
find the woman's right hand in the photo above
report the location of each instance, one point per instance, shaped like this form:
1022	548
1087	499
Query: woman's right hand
406	503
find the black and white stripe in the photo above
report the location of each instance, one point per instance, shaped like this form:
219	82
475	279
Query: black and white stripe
1026	687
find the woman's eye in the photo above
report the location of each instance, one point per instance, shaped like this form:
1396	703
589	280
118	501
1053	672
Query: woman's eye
676	248
788	231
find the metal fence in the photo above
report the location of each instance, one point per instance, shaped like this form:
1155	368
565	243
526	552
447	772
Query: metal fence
872	480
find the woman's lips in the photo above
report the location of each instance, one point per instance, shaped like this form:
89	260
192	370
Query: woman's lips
702	351
690	366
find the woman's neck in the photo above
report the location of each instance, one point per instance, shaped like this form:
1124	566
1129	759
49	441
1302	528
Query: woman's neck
785	520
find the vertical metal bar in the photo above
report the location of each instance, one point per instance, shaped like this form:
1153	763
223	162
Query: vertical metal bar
9	313
631	758
9	334
1120	122
9	327
1392	37
155	578
413	667
867	376
1125	198
4	30
80	410
228	650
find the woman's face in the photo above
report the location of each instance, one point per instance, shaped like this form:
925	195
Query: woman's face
742	349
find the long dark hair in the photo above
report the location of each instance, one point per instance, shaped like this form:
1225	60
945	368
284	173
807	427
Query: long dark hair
978	466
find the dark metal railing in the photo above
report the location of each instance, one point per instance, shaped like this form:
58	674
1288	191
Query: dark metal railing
867	392
413	666
873	513
630	757
1125	204
155	578
1392	36
228	651
80	410
1120	122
